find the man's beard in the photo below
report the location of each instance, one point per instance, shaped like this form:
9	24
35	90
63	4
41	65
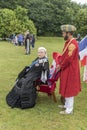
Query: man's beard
66	38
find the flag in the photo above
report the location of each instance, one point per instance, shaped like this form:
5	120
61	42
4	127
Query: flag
83	50
83	61
83	43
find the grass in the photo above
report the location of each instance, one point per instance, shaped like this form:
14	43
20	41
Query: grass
45	115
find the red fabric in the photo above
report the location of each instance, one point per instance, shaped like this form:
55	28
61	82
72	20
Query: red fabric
84	61
70	74
48	88
56	57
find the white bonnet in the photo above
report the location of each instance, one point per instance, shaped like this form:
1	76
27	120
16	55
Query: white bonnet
42	48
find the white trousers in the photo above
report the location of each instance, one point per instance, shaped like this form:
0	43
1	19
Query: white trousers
69	104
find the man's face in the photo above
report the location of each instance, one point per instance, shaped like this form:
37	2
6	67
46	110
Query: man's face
65	35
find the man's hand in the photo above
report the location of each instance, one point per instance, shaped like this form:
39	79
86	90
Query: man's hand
58	67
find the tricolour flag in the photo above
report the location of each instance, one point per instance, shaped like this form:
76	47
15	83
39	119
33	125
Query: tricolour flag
83	51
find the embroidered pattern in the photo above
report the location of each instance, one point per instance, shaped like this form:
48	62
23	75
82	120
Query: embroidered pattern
71	48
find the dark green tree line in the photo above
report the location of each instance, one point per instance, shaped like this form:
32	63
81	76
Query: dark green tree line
48	15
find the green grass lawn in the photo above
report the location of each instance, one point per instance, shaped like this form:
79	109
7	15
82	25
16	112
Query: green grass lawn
45	115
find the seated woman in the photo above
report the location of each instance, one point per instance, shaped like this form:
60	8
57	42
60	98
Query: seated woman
23	93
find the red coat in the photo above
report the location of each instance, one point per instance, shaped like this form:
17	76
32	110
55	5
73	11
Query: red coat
70	84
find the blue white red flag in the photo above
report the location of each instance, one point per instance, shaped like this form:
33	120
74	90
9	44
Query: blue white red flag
83	51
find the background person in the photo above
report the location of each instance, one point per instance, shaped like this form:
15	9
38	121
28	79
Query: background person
33	41
27	44
20	39
78	38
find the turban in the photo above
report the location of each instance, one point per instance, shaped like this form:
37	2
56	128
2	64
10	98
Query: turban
68	28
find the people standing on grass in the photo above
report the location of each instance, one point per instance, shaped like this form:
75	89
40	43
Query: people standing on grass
70	84
20	39
78	38
27	44
16	40
33	41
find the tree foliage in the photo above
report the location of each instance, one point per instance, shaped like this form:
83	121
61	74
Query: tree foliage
81	21
7	18
15	21
47	15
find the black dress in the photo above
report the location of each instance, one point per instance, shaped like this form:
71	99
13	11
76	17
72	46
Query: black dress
23	93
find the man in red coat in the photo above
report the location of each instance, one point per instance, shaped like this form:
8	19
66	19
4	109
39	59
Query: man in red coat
70	84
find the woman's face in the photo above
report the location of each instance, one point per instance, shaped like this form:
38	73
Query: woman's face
41	53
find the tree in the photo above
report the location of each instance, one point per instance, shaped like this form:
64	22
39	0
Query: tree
14	22
47	15
26	23
7	18
81	21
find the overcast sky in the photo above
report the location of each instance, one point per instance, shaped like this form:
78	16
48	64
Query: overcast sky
81	1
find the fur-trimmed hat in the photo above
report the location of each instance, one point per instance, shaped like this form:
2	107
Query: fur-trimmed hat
68	28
